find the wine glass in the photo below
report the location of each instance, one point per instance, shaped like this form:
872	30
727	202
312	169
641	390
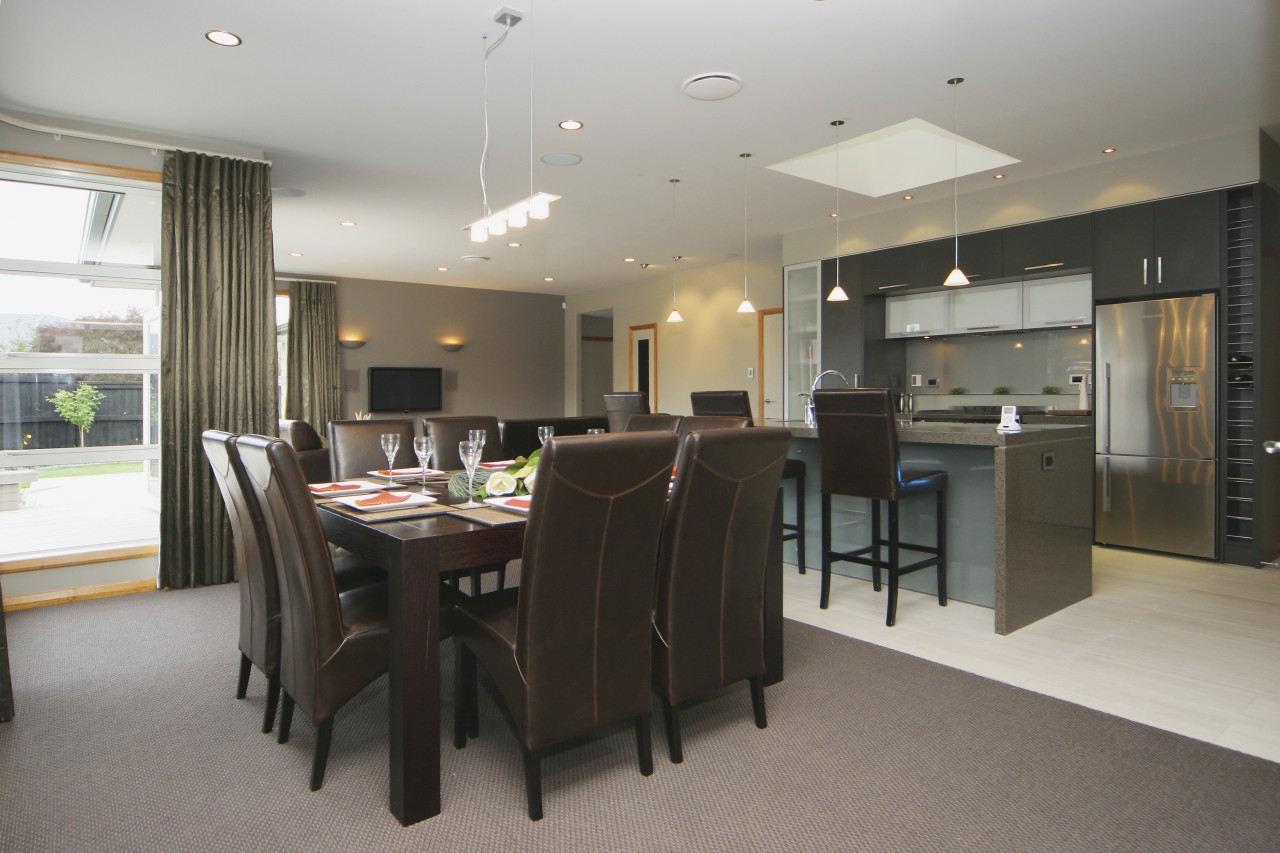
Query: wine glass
478	436
545	432
391	446
423	447
470	452
595	432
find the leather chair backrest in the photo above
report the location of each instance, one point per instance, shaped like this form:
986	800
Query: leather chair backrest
446	433
690	423
311	620
520	435
858	441
355	447
709	628
255	566
313	456
621	405
583	629
731	403
645	422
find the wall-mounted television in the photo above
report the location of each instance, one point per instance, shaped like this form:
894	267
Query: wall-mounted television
406	389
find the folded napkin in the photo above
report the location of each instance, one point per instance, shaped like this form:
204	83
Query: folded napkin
333	487
399	472
518	503
383	498
492	465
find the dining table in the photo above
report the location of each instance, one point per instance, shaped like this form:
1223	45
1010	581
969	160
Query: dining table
416	553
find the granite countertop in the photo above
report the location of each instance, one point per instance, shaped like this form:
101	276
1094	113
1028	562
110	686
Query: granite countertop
981	435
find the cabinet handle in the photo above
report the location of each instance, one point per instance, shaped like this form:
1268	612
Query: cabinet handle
890	286
1043	266
1144	272
1159	269
1063	320
980	328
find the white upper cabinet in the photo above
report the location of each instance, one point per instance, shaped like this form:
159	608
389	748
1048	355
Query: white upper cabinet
996	308
1066	301
915	315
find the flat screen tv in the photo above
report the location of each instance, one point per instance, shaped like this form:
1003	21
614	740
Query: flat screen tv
406	389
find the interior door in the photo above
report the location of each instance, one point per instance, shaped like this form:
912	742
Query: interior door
769	364
642	367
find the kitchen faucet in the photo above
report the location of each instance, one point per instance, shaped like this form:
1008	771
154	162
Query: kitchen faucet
809	419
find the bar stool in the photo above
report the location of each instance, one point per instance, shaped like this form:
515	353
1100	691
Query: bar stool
858	439
738	404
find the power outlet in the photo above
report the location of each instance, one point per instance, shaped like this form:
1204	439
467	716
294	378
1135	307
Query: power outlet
1046	461
915	380
932	383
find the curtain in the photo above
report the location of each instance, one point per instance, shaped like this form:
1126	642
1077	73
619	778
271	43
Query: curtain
218	356
312	366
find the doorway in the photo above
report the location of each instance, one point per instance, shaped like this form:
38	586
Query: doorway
769	334
642	362
595	361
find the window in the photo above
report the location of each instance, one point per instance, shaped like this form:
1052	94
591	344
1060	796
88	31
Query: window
79	358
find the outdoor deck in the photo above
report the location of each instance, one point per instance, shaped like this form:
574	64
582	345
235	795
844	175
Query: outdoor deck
69	514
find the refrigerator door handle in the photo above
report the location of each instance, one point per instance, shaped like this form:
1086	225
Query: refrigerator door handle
1144	272
1160	269
1106	485
1106	421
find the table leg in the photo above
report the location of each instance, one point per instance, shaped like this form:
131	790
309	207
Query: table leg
414	682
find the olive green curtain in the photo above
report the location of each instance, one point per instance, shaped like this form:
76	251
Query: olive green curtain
312	368
218	350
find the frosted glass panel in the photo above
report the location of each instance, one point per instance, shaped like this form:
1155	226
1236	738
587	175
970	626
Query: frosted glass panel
804	341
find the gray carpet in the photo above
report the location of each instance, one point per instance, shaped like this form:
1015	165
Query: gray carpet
128	738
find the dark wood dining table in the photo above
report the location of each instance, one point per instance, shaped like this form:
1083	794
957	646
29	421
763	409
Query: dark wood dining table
416	552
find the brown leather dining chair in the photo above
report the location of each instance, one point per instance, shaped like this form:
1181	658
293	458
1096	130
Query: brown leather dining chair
333	644
256	571
738	403
569	649
313	456
858	441
645	422
355	447
694	423
619	406
447	433
708	625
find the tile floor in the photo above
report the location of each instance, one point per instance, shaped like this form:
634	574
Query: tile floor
1183	645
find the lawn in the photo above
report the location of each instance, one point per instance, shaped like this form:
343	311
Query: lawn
91	470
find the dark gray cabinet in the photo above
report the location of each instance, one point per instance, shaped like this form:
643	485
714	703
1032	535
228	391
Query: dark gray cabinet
888	270
1052	246
1156	249
841	321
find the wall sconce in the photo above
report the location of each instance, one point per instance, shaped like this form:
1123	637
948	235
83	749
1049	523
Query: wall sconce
350	344
451	344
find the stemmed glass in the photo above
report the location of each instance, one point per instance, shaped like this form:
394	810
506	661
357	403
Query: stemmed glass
391	446
470	452
478	436
545	432
423	446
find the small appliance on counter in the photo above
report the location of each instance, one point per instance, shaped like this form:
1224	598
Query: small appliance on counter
1008	420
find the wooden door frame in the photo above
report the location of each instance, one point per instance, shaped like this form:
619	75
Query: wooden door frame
631	361
760	315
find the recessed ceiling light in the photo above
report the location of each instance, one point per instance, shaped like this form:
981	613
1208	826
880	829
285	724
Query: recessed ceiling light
442	269
907	197
561	158
514	245
1108	150
571	124
833	215
999	176
548	278
629	260
222	38
347	224
295	254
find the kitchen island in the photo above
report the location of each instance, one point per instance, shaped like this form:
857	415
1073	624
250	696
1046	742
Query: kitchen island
1019	514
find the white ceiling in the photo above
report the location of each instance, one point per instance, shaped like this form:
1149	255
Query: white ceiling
373	109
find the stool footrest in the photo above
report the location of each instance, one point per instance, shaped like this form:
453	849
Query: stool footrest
855	557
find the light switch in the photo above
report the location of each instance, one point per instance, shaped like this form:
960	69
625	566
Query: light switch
751	373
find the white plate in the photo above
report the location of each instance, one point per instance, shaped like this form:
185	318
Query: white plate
502	503
405	475
412	499
363	487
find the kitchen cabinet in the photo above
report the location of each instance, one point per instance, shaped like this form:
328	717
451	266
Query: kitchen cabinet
927	264
917	315
997	308
1065	301
841	322
887	270
1054	244
981	256
1159	248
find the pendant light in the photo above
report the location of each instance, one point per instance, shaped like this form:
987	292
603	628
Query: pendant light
837	293
957	278
745	307
674	316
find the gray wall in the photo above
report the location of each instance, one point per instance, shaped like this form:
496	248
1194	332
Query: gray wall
512	364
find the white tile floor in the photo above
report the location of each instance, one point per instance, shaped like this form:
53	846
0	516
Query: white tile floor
1183	645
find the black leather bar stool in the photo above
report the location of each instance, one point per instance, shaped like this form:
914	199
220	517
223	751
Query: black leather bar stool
738	404
858	438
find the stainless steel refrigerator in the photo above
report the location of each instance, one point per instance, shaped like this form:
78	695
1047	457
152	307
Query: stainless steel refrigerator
1155	422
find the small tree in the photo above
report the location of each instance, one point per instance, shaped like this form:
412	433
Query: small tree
78	407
